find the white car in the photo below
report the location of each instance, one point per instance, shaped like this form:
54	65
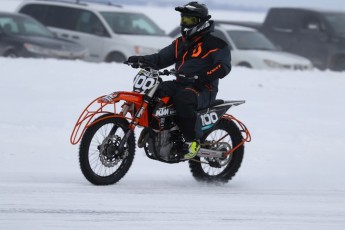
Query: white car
252	49
111	33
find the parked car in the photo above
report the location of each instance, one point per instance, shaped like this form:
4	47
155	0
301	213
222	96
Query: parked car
23	36
252	49
111	33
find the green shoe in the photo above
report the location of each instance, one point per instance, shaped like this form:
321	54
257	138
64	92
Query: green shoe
193	149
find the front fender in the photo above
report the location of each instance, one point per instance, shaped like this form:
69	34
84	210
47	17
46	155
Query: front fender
102	105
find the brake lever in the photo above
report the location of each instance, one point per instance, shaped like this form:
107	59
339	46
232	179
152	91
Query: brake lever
142	65
134	65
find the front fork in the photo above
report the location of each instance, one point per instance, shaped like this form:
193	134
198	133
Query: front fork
135	121
133	124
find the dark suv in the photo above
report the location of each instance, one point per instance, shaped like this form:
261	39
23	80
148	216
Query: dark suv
315	34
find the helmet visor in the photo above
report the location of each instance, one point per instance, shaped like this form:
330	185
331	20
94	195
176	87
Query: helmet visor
189	21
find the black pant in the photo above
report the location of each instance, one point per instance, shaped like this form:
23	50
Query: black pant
187	100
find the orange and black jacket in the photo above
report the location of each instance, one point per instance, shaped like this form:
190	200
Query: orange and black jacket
205	55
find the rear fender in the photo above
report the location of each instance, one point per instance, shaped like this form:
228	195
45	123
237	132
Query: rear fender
210	116
214	114
104	106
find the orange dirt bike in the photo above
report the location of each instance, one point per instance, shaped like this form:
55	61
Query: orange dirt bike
107	137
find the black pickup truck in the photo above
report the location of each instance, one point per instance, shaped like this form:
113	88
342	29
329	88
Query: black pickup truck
315	34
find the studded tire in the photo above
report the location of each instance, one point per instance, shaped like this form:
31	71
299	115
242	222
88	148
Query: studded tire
205	172
91	165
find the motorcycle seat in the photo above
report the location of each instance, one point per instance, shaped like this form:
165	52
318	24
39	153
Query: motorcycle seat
216	102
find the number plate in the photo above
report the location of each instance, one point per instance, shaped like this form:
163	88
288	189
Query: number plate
143	81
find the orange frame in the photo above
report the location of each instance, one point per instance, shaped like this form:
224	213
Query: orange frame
106	104
247	138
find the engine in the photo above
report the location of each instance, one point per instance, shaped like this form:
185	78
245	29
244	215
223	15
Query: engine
166	145
164	140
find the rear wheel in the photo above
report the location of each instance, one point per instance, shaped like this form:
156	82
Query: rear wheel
223	137
100	161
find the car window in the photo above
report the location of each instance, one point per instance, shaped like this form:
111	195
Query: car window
8	25
250	40
284	20
131	23
54	16
32	28
66	18
38	12
62	17
337	22
88	22
23	26
221	35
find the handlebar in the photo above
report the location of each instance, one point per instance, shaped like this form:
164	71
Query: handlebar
142	65
151	66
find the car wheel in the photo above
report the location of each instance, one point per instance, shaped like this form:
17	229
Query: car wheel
339	64
245	64
116	57
11	54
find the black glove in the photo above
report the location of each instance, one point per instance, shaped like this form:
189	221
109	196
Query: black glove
136	59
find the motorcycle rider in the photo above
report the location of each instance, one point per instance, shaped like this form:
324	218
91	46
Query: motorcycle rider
201	59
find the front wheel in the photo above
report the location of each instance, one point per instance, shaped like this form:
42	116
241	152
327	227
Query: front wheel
100	161
222	137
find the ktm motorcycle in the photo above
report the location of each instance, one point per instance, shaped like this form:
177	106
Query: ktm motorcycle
108	144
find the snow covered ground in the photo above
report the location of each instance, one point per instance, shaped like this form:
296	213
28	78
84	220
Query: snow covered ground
292	176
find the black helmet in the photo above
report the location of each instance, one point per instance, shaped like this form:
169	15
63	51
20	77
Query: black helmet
194	9
194	19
